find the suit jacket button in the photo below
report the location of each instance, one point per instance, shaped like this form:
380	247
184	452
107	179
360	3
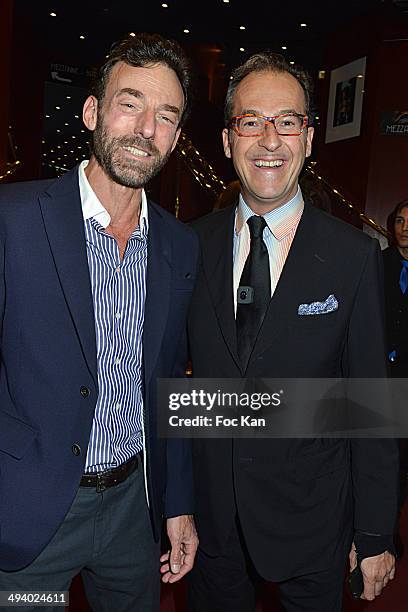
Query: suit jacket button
76	449
85	392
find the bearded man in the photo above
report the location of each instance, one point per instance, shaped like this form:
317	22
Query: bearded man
95	283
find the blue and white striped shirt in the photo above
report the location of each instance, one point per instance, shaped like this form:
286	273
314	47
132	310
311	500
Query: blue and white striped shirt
118	291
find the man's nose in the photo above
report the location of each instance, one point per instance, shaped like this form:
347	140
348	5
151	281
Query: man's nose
270	138
145	124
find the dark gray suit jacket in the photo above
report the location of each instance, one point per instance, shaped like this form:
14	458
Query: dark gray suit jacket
298	500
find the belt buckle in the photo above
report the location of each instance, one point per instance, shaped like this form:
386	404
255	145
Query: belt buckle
100	486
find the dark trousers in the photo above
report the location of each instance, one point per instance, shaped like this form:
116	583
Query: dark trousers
228	583
107	537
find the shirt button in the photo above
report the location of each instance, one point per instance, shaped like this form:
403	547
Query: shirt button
76	449
118	406
117	269
117	360
85	392
118	315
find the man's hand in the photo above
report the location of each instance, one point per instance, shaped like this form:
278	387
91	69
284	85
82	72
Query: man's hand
184	542
377	571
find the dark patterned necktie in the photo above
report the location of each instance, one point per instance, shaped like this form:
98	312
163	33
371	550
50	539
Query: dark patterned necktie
254	291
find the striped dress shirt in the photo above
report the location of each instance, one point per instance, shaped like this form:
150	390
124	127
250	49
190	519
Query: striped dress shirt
118	292
278	236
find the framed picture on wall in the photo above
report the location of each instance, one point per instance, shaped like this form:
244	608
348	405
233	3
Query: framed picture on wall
345	101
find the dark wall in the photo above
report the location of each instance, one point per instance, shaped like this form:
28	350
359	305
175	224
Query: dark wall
369	169
388	176
6	12
28	73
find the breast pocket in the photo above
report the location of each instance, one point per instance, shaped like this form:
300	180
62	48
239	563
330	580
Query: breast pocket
316	322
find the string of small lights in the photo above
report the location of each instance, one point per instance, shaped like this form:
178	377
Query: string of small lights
10	170
202	171
11	167
310	168
65	138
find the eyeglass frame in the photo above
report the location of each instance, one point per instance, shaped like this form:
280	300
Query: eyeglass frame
232	124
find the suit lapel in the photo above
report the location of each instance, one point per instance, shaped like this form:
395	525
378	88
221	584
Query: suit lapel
217	262
302	268
63	220
157	289
64	225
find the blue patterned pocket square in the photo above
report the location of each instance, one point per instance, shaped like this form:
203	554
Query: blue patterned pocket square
318	308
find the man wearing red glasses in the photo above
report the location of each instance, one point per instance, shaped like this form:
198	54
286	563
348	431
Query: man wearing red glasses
285	291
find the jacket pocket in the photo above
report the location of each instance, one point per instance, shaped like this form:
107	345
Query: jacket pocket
320	464
15	435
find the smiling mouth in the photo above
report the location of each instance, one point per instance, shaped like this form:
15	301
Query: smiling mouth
137	152
274	163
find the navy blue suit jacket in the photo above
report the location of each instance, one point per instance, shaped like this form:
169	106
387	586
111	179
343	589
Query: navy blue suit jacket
48	369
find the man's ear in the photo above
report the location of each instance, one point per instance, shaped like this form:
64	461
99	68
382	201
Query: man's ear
226	142
176	137
90	113
309	138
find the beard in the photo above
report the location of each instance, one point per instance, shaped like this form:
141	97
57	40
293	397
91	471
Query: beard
126	171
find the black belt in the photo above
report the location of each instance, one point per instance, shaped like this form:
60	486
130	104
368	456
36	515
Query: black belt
114	476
